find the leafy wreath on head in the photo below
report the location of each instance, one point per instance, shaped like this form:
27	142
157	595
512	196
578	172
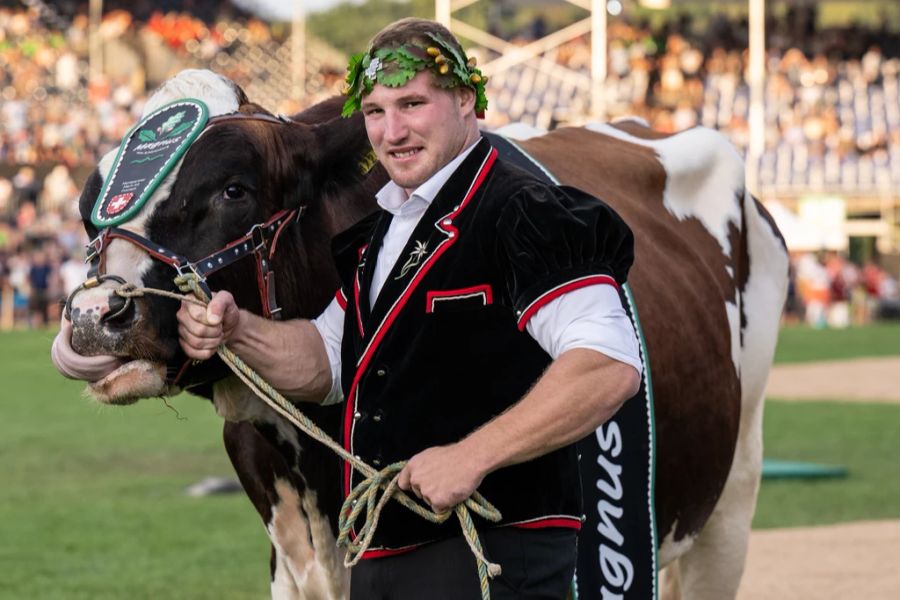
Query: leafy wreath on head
394	67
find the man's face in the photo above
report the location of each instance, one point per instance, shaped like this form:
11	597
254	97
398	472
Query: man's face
418	128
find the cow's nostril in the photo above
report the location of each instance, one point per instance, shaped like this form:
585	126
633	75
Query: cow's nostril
121	311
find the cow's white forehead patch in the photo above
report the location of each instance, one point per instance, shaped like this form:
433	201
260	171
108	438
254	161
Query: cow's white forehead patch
218	93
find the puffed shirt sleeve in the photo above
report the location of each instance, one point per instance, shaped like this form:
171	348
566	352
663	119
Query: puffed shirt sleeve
330	325
565	255
554	240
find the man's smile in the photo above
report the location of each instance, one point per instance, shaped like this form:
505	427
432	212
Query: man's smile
404	153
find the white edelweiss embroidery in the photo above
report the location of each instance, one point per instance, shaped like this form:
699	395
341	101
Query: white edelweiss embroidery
415	257
373	68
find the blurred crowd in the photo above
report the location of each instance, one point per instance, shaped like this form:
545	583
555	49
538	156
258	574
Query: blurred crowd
832	99
57	119
828	290
832	105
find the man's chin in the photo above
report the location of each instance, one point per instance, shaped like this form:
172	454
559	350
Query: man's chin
408	177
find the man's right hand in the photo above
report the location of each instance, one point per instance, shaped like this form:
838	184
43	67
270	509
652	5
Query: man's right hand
201	329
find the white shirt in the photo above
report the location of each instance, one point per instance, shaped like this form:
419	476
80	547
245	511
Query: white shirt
591	317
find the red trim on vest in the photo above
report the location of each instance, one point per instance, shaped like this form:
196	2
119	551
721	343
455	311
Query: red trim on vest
341	299
559	290
364	361
383	552
566	522
484	290
546	523
356	286
356	299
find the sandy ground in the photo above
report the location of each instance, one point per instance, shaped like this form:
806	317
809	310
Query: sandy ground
846	561
867	379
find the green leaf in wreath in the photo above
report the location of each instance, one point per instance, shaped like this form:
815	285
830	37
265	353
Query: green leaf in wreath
147	135
396	79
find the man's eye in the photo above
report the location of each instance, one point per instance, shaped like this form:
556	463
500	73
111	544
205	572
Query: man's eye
234	192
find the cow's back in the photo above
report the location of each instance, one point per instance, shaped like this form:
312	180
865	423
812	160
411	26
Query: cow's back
683	197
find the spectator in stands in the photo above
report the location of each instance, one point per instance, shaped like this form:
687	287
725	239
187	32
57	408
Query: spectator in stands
39	275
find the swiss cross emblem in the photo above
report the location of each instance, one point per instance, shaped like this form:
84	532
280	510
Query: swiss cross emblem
118	203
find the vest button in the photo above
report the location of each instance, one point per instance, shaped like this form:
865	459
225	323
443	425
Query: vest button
357	415
376	462
378	416
381	372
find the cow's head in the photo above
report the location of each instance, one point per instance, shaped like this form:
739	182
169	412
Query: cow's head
236	174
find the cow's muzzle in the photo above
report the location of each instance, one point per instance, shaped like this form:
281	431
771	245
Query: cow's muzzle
115	309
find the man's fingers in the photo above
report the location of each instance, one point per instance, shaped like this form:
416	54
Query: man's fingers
221	305
193	332
403	480
197	348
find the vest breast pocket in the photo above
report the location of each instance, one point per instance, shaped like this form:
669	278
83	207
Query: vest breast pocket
457	300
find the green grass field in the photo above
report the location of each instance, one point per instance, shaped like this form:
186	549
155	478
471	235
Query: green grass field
861	437
92	501
801	344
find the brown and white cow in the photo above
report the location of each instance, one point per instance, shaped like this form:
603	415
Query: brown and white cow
709	281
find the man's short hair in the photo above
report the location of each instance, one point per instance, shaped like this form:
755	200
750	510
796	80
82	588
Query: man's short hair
412	29
404	48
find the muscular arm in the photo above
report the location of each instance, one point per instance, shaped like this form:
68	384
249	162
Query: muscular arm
578	392
290	355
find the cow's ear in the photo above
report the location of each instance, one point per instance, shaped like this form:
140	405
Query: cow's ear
345	155
329	154
88	198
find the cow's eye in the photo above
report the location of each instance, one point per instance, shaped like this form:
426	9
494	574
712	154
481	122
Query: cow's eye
234	192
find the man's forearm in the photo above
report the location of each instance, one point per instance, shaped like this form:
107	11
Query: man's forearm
290	355
580	391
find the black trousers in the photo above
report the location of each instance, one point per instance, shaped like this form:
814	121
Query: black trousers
536	563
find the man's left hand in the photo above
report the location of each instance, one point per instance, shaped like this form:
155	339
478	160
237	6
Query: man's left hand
442	476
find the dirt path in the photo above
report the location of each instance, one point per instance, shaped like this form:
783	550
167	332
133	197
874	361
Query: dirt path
849	560
846	561
870	379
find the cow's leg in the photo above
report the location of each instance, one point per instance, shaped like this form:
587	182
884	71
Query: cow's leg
305	545
714	565
282	586
670	582
712	568
304	562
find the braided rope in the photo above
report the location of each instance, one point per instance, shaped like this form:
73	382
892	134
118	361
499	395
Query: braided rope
378	486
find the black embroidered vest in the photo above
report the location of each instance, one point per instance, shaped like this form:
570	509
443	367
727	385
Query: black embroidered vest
443	349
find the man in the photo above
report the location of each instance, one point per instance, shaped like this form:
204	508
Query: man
467	252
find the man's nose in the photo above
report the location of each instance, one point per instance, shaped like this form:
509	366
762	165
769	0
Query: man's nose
395	129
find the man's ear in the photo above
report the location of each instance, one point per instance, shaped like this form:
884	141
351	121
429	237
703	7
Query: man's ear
465	96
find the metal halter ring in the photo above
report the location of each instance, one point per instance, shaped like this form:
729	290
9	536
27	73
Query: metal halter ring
92	283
